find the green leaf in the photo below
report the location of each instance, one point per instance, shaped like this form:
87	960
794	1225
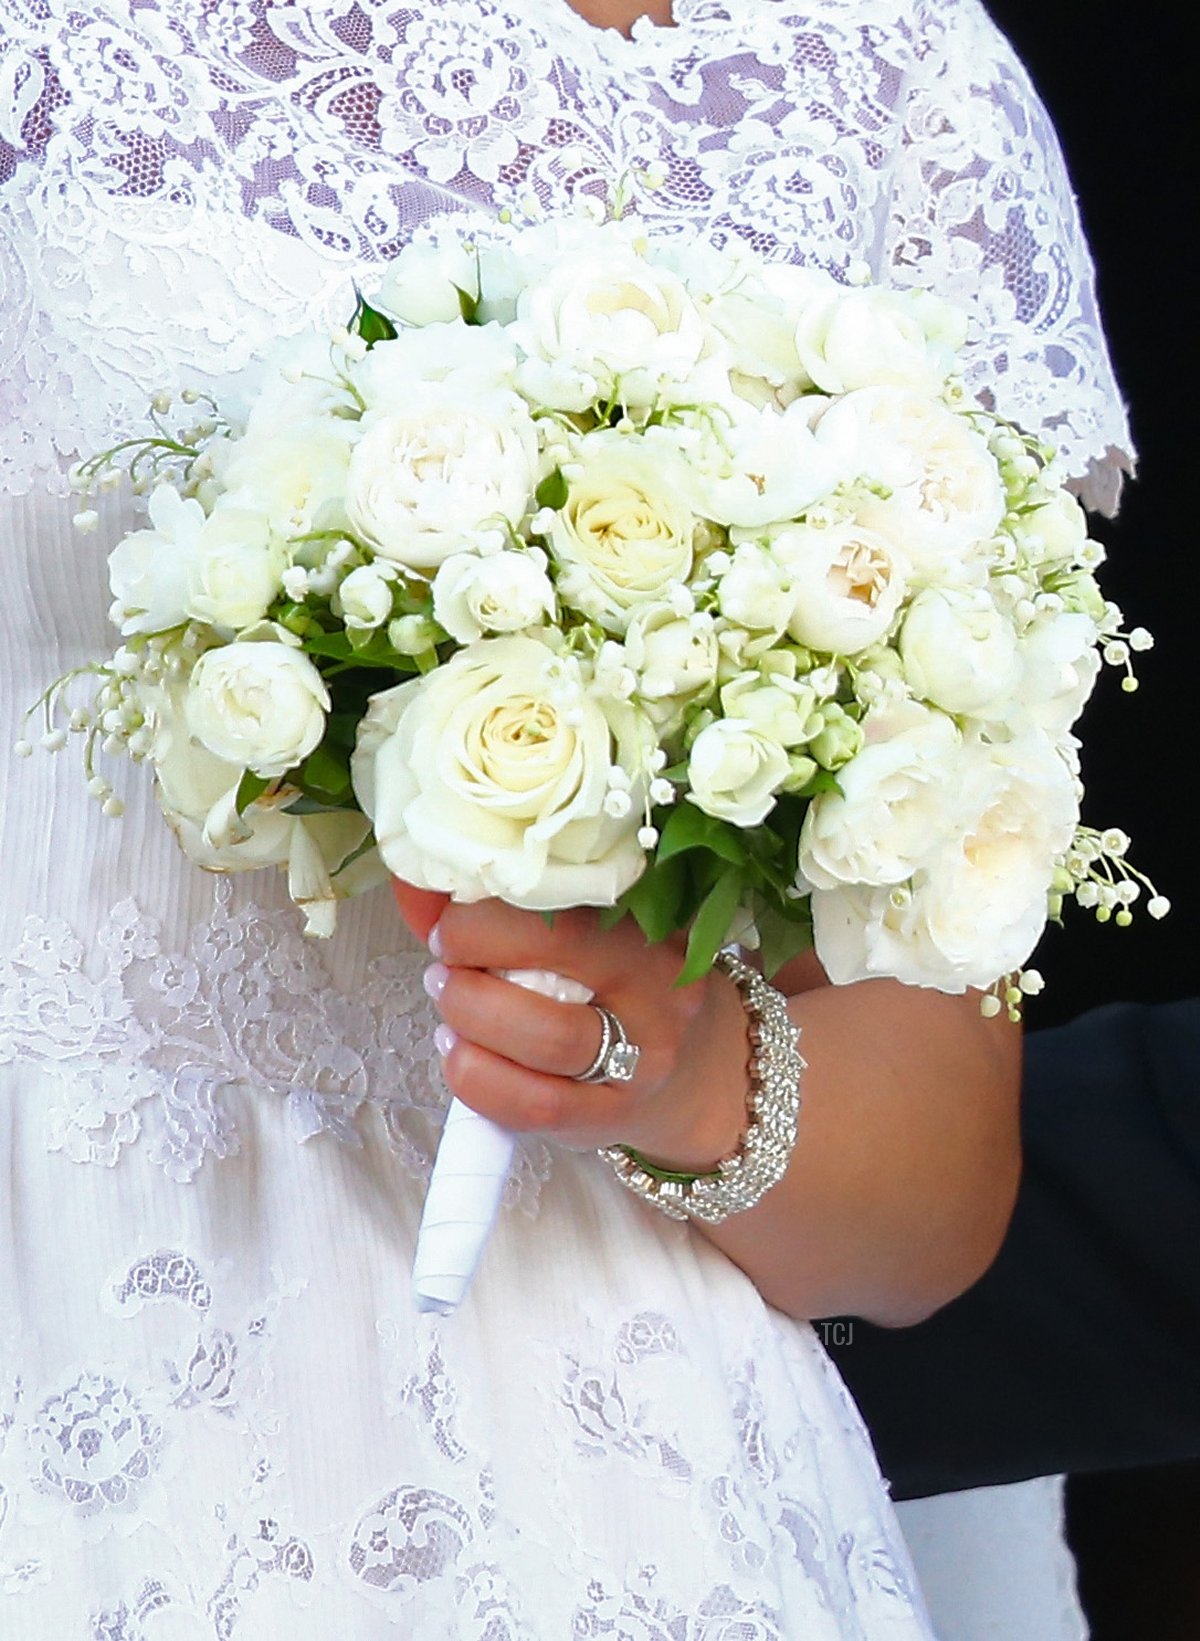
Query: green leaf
688	827
658	900
250	787
325	776
782	935
370	324
711	927
468	306
335	646
553	491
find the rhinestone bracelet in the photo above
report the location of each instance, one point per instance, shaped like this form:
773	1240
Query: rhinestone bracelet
773	1105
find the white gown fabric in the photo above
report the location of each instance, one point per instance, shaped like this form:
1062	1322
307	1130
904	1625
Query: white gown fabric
219	1414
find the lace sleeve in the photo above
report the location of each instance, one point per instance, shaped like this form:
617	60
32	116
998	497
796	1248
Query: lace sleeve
982	212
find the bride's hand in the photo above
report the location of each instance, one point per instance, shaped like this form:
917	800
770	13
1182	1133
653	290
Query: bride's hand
513	1055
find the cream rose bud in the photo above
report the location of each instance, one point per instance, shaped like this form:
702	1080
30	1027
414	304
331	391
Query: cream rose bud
979	905
149	571
364	598
959	651
946	492
626	535
764	466
897	797
503	592
847	584
1054	531
428	481
257	704
421	285
757	319
490	775
867	337
598	325
735	771
781	708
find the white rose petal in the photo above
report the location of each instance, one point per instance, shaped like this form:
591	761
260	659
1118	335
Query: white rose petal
365	597
489	776
423	483
467	360
149	571
236	569
421	285
258	705
765	466
848	339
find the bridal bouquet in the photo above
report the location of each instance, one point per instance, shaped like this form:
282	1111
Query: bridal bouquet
586	567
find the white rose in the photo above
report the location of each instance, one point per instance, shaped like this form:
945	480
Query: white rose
625	535
235	569
979	907
758	320
868	337
364	597
959	650
947	495
781	708
755	592
421	285
468	360
847	585
489	776
675	660
735	771
197	792
292	471
502	592
1059	667
599	325
428	481
765	466
257	704
149	571
897	799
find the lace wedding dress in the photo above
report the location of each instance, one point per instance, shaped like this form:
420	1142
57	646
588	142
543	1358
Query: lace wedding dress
219	1414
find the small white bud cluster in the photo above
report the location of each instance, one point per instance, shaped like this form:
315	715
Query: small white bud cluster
1102	881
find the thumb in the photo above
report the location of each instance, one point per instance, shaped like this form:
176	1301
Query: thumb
420	908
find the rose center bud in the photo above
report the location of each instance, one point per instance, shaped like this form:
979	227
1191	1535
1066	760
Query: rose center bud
859	572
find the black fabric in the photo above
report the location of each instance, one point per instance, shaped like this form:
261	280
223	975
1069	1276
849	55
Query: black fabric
1080	1349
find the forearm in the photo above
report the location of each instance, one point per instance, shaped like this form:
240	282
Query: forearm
907	1158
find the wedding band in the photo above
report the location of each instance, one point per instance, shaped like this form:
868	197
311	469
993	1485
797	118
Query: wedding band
616	1058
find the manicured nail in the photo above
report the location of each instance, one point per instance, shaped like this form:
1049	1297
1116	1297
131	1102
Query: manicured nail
444	1040
434	979
435	940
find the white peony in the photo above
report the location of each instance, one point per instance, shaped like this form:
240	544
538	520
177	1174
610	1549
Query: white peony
421	285
430	480
257	704
235	567
871	337
978	908
959	650
847	585
626	533
947	495
149	571
755	592
607	324
897	800
674	659
502	592
764	465
292	471
1059	665
490	775
735	771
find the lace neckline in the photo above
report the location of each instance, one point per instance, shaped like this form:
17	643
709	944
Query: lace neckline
646	35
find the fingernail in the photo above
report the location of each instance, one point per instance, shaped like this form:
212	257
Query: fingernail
444	1040
434	979
435	940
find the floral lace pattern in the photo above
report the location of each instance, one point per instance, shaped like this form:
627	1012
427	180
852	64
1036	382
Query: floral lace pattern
257	156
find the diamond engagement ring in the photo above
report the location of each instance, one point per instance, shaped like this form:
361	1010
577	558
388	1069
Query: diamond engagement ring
616	1058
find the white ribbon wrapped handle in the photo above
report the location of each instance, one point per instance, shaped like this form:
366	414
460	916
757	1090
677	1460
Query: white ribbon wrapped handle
467	1183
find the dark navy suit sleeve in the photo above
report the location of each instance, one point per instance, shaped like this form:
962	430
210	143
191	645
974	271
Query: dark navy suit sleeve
1080	1349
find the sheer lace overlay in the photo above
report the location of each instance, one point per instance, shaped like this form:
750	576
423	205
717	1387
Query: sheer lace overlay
257	156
